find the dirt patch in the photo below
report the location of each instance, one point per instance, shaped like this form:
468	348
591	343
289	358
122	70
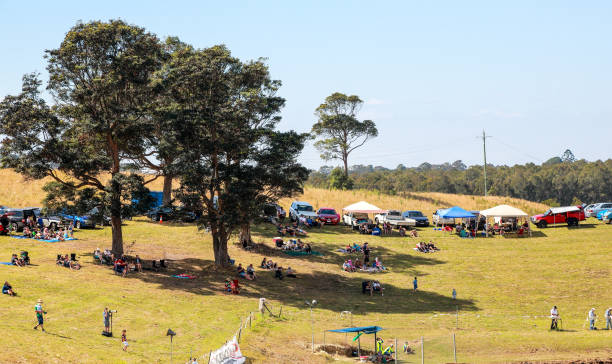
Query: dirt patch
580	361
342	350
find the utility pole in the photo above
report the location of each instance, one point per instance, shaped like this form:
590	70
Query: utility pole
484	150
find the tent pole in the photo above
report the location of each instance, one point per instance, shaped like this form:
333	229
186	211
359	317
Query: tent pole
375	343
358	346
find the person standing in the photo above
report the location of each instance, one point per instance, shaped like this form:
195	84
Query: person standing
39	315
124	341
415	284
608	316
106	316
554	317
592	317
454	294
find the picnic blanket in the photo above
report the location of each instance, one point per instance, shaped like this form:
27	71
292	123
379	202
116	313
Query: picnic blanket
46	241
295	253
184	276
6	263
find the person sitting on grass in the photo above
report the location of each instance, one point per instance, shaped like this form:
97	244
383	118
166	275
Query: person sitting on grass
263	263
26	232
250	272
241	272
358	264
402	231
16	261
278	273
228	285
377	287
290	273
8	289
376	231
378	264
138	264
120	266
414	233
348	266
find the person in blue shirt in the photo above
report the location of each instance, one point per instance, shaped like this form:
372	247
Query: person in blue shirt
415	284
376	231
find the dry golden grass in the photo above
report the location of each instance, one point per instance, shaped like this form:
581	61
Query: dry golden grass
427	202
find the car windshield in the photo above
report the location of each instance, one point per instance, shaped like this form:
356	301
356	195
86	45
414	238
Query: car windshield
327	211
415	214
394	213
547	212
304	208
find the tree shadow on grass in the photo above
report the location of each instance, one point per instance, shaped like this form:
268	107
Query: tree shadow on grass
534	234
336	291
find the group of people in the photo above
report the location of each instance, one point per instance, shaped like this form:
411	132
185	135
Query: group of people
426	247
277	269
413	233
287	230
248	273
352	266
592	318
68	261
48	234
371	287
121	265
294	245
20	260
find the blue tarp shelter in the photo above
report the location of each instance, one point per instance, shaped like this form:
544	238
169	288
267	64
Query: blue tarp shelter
360	331
455	212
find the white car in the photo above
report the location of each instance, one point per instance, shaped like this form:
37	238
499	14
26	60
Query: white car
437	220
354	219
302	209
395	218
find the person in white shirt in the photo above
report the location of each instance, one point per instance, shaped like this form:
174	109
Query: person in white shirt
608	316
592	317
554	316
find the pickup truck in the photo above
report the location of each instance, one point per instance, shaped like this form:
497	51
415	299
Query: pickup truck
354	219
437	220
395	218
569	215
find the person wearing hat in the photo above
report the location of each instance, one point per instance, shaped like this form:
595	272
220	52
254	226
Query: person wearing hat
608	316
592	317
39	314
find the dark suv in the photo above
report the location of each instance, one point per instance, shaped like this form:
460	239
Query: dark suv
167	213
421	220
17	217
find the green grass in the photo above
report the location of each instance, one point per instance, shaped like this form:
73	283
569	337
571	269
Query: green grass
500	281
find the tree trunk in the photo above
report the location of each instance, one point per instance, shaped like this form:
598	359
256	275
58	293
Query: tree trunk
245	235
116	218
167	194
220	248
345	160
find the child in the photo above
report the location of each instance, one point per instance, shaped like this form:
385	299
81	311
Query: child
124	340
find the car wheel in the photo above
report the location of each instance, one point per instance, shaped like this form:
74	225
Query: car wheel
78	224
572	222
542	224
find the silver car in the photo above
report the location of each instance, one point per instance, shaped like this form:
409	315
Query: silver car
592	210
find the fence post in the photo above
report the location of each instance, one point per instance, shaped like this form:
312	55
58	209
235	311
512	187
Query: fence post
395	352
239	333
454	347
422	351
250	319
457	317
209	355
280	312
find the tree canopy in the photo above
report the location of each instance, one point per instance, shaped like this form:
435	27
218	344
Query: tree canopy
338	128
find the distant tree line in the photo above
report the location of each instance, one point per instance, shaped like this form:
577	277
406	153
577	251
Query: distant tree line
558	181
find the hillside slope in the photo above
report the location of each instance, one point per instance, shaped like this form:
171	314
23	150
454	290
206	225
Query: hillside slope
17	192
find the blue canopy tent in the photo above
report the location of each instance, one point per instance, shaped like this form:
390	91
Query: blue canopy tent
360	331
455	212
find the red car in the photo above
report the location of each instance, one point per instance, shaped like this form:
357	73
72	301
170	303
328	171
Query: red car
569	215
328	215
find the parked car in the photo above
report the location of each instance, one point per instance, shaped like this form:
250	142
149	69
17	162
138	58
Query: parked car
274	210
167	213
437	220
395	218
328	215
569	215
421	220
354	219
83	221
601	213
301	208
607	216
17	217
592	210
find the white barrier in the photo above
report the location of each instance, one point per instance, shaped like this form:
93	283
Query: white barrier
227	354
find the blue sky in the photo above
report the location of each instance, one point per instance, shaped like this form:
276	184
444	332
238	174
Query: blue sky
535	75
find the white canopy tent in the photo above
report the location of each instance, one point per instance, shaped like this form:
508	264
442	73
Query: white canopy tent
502	211
363	207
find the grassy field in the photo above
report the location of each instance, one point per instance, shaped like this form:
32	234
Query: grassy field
506	287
